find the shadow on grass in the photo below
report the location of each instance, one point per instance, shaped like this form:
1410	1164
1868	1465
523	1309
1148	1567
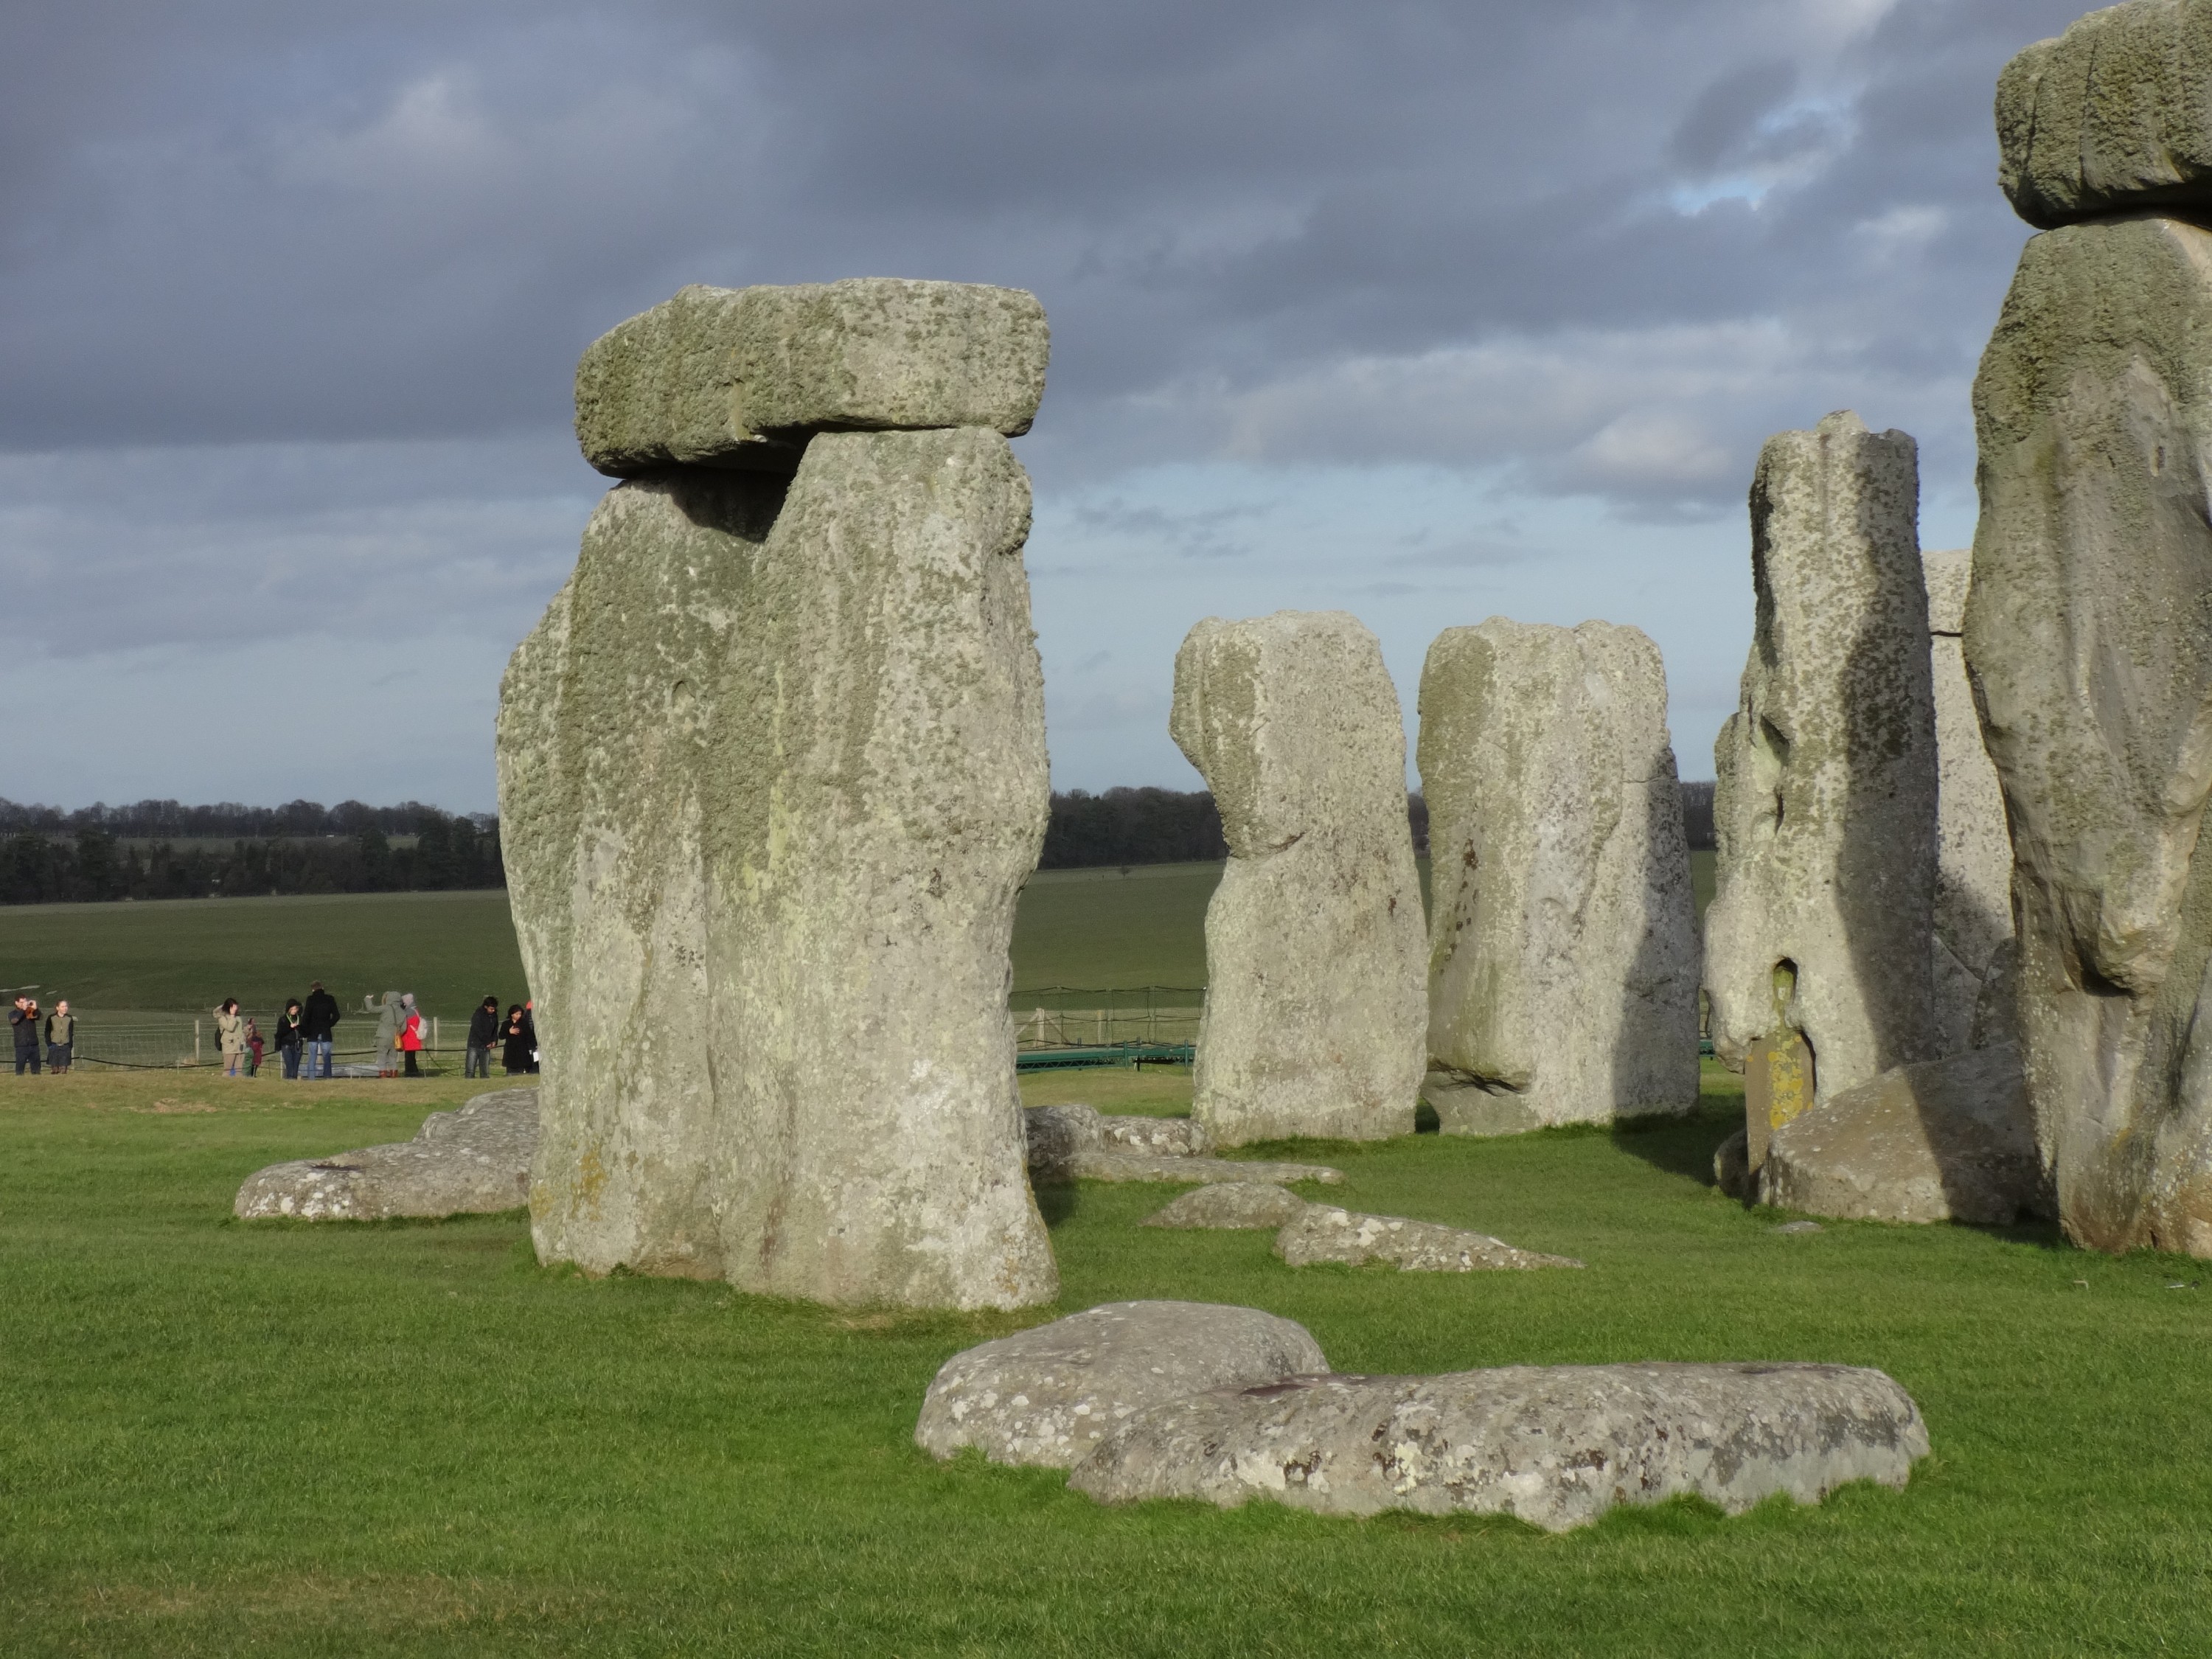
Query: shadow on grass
1682	1146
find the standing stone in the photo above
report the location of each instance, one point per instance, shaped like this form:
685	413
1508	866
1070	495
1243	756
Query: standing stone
1315	1007
1562	953
2089	633
772	770
1821	931
1973	850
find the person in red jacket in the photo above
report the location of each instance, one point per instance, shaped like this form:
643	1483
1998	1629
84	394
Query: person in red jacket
412	1033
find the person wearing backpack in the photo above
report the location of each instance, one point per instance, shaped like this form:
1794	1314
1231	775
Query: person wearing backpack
412	1032
319	1019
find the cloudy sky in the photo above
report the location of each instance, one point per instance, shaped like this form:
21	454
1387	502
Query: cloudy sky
1427	312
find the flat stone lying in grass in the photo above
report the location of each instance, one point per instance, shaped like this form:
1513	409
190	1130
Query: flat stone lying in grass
1323	1233
1950	1139
1049	1396
1076	1143
470	1161
1556	1446
1230	1206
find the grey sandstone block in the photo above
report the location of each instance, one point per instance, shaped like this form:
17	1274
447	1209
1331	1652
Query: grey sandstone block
2086	630
1049	1396
1316	1005
772	771
1563	950
2113	116
472	1161
1231	1206
1826	807
1322	1232
730	377
1556	1446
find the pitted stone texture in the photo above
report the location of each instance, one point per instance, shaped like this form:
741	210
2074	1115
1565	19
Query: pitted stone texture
1163	1137
1049	1396
2113	115
1826	805
1075	1143
1315	1004
715	374
772	772
470	1162
1563	949
1232	1206
1973	850
1322	1232
1556	1446
2086	630
1949	1139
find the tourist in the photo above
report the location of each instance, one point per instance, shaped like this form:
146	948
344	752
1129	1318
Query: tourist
230	1032
319	1019
387	1036
61	1037
23	1018
254	1045
288	1040
483	1031
411	1031
515	1058
530	1031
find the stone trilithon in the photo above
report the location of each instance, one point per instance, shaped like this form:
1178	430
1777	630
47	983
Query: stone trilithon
772	771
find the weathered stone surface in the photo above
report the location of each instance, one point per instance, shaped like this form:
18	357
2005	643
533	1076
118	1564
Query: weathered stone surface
1557	1446
1316	1005
1321	1232
772	770
1231	1206
1732	1166
1826	806
2086	633
1049	1396
470	1162
1165	1137
2114	114
1563	949
1949	1139
1973	850
1075	1143
728	376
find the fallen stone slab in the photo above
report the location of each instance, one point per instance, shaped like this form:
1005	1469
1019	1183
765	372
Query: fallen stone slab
728	377
1556	1446
1322	1232
1230	1206
473	1161
1049	1396
1076	1143
1949	1139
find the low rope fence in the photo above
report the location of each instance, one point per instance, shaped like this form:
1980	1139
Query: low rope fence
164	1040
1068	1016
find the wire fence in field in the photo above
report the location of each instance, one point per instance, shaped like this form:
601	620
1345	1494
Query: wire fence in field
162	1039
1067	1017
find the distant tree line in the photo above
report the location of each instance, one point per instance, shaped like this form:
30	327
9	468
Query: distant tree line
170	820
1697	816
58	858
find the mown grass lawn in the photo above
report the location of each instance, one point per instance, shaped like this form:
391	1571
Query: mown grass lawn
218	1439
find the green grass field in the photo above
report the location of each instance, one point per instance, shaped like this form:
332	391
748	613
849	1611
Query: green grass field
411	1439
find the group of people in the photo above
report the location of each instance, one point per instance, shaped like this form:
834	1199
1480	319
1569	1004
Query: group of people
305	1034
41	1036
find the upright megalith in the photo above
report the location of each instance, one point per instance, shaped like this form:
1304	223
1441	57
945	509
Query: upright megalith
1315	1007
1818	940
1973	850
2087	626
772	771
1563	952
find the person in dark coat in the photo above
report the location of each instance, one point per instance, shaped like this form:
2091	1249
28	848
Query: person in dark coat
530	1033
23	1021
483	1031
288	1040
319	1018
515	1057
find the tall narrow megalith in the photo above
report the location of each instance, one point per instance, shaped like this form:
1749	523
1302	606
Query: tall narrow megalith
1563	952
1315	1006
2087	629
772	771
1973	851
1818	940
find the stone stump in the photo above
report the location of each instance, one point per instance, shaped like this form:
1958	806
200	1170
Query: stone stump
1563	952
2087	630
1821	927
1315	1007
1973	850
772	771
